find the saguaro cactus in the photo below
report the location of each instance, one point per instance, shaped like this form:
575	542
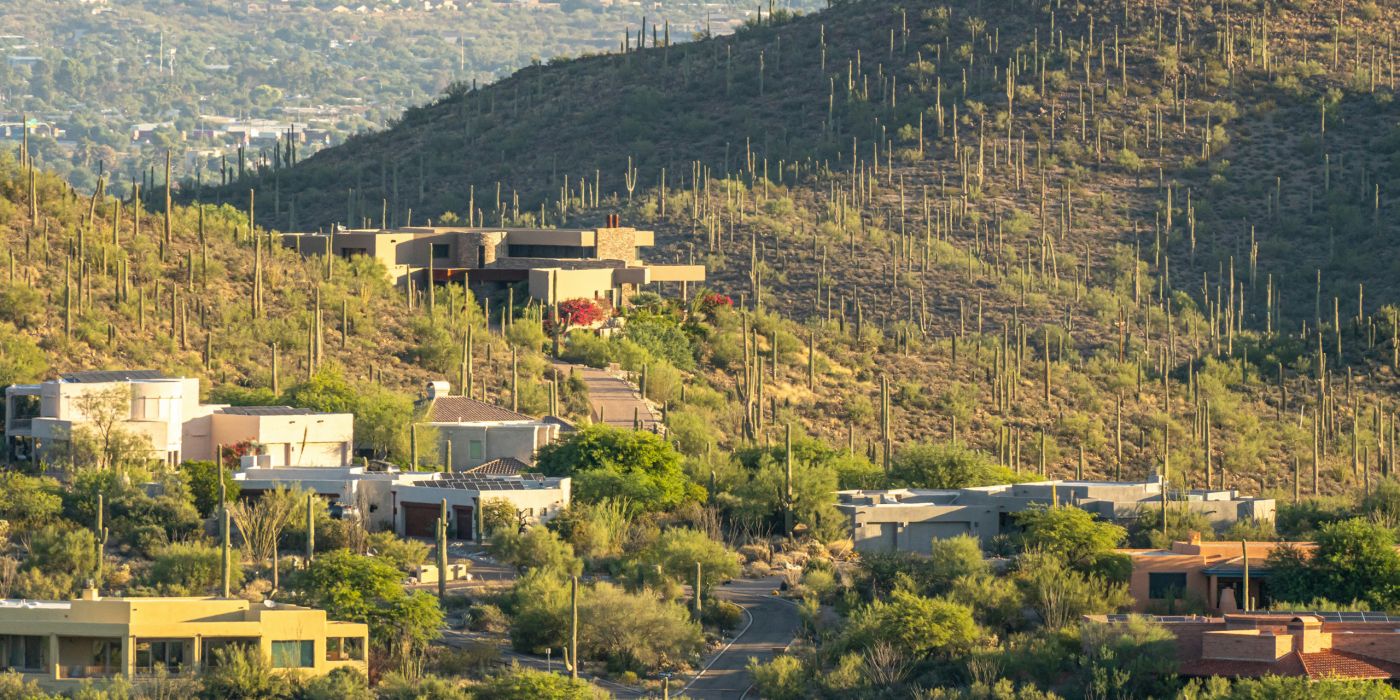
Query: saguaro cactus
310	530
225	554
442	551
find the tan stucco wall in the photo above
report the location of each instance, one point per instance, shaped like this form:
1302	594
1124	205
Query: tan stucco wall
520	441
571	284
1245	645
307	440
194	619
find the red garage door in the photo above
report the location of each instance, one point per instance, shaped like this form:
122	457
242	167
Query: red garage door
420	519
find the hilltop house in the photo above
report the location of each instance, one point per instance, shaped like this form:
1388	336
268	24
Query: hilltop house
1316	646
165	413
557	264
409	503
62	644
909	520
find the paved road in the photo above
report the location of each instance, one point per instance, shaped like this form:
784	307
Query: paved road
770	625
613	398
773	623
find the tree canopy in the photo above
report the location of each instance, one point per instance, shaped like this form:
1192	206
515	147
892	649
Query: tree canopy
607	462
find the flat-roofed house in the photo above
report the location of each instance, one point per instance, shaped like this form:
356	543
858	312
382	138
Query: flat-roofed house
62	644
557	264
166	413
909	520
410	503
1203	573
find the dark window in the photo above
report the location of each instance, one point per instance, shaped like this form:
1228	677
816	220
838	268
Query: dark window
296	653
441	250
481	256
345	649
573	252
1165	586
348	253
25	652
160	653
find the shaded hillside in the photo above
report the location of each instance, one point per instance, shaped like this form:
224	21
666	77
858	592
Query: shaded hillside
1099	213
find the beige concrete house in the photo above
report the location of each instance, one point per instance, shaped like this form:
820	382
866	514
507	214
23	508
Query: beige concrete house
285	436
909	520
557	264
60	644
409	503
484	435
166	413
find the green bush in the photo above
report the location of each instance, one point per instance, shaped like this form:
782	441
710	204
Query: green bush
783	678
192	569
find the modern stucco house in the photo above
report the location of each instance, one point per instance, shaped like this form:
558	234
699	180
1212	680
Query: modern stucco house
1203	573
409	502
167	414
910	519
557	264
61	644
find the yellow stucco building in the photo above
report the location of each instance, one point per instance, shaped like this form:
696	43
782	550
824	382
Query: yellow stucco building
60	643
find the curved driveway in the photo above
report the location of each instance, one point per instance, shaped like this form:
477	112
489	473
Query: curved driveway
772	622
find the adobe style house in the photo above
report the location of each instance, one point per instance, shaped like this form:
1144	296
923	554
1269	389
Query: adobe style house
1199	573
166	413
908	520
62	644
485	438
557	264
1318	646
409	502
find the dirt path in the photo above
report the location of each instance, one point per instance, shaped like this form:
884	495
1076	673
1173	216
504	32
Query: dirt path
614	400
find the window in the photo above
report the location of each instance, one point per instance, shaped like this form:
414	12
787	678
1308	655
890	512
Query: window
1165	586
296	653
440	250
345	649
152	654
23	652
217	650
530	250
475	449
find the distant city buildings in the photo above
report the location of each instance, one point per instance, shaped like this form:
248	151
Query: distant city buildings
557	264
908	520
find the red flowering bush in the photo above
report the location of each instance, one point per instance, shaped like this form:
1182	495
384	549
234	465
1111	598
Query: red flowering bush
580	312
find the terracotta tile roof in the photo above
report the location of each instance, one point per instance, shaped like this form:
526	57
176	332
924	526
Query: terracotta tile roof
1287	666
1324	664
505	466
460	409
1340	664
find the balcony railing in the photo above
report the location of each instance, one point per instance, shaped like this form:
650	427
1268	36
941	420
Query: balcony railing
71	671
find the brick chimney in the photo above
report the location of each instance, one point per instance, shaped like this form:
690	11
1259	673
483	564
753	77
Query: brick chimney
1193	537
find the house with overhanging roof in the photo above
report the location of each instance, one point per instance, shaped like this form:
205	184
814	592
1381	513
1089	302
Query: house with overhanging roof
476	436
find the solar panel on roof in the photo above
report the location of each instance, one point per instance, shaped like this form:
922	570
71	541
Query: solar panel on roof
119	375
266	411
